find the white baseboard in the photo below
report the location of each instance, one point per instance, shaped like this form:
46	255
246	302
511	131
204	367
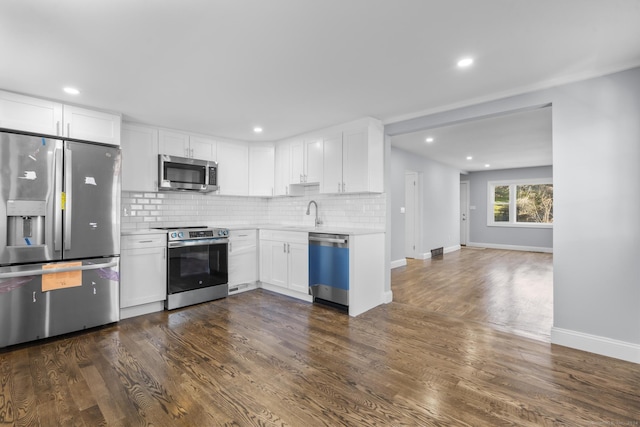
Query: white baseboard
452	249
510	247
595	344
398	263
387	297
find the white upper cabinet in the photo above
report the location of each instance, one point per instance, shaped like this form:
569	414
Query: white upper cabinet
233	168
282	170
29	114
36	115
354	159
332	181
306	161
139	158
90	125
261	169
173	143
181	144
203	148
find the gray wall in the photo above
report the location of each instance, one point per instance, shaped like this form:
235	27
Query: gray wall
440	186
596	154
480	233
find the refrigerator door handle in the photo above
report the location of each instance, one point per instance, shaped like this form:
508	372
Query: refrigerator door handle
68	182
37	272
58	202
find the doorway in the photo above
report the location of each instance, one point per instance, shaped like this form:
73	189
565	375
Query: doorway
411	212
464	212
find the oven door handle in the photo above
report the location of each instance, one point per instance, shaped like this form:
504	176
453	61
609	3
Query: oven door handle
200	242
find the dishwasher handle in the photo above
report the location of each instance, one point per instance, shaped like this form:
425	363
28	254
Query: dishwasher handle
342	241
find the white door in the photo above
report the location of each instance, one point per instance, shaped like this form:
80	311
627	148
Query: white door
464	212
411	215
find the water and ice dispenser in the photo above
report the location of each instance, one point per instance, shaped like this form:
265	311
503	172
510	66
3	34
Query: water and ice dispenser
26	222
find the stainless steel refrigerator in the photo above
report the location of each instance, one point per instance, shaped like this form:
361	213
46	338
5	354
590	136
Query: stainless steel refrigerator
59	236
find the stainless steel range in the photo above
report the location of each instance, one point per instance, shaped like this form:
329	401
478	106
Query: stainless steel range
197	269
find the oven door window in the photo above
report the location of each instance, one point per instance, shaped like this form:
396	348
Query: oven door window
194	267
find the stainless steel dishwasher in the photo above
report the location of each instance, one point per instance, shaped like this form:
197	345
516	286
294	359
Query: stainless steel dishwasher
329	268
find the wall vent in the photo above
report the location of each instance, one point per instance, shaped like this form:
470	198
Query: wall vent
437	252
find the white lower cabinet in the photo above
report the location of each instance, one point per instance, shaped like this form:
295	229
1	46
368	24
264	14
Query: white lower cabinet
284	262
243	260
143	274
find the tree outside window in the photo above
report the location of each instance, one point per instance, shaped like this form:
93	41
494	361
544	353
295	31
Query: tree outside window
521	203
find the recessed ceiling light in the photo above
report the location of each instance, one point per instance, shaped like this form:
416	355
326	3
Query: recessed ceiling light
469	158
71	90
465	62
257	129
487	165
429	140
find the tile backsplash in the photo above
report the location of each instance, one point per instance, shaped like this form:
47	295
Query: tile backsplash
167	209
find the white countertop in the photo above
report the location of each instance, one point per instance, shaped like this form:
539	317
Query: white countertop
321	229
279	227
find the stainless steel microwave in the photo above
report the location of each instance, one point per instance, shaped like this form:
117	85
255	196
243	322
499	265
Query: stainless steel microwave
184	174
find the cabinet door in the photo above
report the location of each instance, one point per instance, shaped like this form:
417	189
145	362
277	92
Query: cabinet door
299	267
243	263
332	175
29	114
283	170
313	160
354	161
233	168
143	276
173	143
261	170
279	264
89	125
139	158
265	261
297	162
202	148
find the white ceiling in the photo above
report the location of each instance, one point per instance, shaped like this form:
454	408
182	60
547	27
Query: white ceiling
221	67
516	140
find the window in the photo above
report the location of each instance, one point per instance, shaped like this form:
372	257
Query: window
525	203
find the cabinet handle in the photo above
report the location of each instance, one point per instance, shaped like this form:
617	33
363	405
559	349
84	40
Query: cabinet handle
145	241
343	187
288	248
34	296
284	248
338	187
191	153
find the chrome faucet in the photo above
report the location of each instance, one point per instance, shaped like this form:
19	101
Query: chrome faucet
318	222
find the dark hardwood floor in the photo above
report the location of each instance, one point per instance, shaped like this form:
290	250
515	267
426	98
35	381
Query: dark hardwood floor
259	358
511	290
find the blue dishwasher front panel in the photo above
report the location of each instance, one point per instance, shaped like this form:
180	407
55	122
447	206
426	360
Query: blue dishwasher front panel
329	265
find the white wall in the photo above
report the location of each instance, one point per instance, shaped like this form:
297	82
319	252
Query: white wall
596	155
480	234
440	194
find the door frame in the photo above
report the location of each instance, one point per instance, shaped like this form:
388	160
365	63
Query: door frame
464	212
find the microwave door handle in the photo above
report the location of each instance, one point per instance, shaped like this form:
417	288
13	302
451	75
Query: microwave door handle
68	181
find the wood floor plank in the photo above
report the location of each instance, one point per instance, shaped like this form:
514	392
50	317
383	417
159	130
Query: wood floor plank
259	358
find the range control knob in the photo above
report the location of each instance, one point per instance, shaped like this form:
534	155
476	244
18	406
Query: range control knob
181	234
173	235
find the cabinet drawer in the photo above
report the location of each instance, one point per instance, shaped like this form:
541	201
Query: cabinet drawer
285	236
144	241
